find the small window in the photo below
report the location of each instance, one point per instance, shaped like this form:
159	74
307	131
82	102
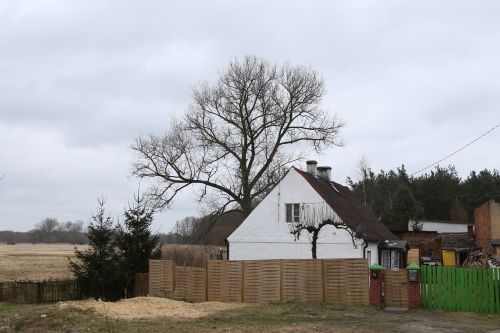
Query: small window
386	259
369	256
292	213
394	259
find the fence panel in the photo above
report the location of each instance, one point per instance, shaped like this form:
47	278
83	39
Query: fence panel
461	289
343	281
58	290
396	288
7	291
190	284
34	292
346	281
261	280
225	281
302	281
141	284
161	278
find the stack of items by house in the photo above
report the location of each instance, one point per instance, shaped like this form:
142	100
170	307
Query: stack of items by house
479	259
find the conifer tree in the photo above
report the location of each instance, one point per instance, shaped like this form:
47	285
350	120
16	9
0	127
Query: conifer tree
97	268
136	242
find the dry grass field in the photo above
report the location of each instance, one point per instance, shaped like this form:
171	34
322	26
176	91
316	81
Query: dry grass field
35	261
148	314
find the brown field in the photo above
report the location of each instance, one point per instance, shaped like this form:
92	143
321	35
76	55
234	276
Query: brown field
35	261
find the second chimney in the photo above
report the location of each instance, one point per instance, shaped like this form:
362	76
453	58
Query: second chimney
325	172
311	167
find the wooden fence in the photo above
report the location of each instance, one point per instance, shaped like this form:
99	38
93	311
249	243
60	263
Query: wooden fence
161	278
141	284
395	288
48	291
342	281
460	289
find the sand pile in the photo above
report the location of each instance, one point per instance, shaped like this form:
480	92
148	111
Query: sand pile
153	307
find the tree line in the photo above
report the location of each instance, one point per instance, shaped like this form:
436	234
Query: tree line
396	197
204	230
49	230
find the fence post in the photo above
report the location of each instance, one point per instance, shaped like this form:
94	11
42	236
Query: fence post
413	286
242	280
281	280
206	282
323	279
39	291
376	274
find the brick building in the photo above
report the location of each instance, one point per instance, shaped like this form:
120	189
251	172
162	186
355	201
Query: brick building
487	226
432	246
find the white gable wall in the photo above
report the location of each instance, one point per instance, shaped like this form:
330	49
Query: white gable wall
265	234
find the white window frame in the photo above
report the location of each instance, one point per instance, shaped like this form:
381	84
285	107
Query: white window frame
395	259
385	258
292	216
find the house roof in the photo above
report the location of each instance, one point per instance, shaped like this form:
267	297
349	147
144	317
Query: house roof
456	240
347	206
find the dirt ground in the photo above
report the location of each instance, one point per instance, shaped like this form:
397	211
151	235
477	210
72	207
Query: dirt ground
35	261
162	315
152	307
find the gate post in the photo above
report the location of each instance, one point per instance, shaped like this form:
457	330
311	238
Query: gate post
413	286
376	273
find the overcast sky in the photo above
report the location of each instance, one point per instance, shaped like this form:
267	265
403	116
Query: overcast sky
80	80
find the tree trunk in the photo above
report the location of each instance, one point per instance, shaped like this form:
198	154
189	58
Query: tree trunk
246	206
314	241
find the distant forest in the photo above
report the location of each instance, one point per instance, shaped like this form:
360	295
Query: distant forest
395	197
49	230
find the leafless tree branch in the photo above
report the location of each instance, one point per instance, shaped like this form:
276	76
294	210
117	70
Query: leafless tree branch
231	141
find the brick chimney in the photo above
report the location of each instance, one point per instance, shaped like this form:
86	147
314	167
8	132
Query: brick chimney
470	232
325	172
311	167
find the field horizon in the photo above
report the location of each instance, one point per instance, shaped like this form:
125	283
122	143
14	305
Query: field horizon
41	261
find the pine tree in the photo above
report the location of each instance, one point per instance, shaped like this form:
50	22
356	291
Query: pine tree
135	241
97	268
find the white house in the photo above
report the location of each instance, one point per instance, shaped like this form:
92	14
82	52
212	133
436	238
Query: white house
267	232
442	226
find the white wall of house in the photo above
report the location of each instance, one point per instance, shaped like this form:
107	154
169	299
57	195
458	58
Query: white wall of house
265	234
440	227
371	253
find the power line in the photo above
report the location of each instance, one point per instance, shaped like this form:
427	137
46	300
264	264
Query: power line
458	150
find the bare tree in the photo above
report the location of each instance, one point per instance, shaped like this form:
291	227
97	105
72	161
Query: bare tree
232	141
315	217
48	225
363	171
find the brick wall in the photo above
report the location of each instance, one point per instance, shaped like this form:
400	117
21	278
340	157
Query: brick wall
482	221
376	288
495	219
414	293
429	243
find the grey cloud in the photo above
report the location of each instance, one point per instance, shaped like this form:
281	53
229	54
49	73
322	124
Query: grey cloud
80	80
